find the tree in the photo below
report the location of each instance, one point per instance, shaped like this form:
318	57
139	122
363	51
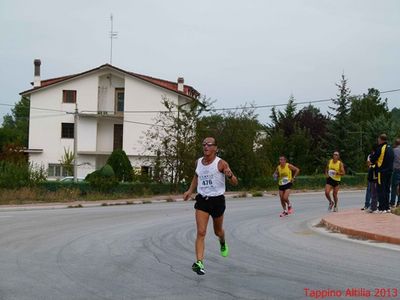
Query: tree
238	137
368	107
297	135
16	126
365	109
121	165
314	125
379	125
173	141
285	120
342	132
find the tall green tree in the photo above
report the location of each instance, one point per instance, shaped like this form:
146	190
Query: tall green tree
342	133
314	125
285	120
238	136
395	115
16	125
368	107
365	110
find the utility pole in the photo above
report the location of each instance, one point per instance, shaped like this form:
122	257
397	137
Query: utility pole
76	117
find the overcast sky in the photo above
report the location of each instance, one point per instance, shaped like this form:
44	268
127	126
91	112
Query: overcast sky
234	52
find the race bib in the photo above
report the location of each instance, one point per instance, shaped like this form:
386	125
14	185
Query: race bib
331	173
206	181
285	180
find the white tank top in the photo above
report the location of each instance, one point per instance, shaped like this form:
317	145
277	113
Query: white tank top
210	182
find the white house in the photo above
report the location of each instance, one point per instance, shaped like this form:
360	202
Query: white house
112	105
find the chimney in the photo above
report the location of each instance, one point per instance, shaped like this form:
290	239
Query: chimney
36	78
180	84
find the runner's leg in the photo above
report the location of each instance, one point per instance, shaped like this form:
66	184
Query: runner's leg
281	197
286	194
218	229
328	189
335	195
201	224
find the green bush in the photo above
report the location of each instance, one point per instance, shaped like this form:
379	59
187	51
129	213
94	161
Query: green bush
20	174
103	180
107	171
121	165
301	182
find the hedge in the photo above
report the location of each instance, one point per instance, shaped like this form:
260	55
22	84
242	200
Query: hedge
302	182
148	188
137	188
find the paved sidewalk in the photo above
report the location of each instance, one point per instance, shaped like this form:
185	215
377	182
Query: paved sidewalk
355	222
94	203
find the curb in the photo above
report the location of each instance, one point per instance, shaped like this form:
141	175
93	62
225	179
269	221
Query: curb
159	199
359	233
105	203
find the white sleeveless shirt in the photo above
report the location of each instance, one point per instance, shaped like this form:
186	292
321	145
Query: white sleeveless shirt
210	182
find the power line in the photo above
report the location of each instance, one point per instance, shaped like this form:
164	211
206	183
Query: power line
36	108
136	122
215	109
296	103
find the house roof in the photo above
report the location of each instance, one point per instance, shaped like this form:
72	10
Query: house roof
169	85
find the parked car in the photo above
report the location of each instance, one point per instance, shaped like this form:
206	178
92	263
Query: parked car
71	179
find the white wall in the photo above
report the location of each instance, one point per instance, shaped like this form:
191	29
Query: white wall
139	96
105	134
106	91
45	126
87	134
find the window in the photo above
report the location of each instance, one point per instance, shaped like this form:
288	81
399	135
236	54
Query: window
69	96
119	100
67	130
56	170
145	171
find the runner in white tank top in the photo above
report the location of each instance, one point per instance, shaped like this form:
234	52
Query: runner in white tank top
209	180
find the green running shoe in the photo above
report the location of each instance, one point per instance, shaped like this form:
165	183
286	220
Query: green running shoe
224	249
198	267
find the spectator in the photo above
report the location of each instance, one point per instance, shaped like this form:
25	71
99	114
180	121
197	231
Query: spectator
383	159
371	187
396	174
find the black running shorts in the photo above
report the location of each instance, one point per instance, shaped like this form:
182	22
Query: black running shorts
285	186
332	182
215	206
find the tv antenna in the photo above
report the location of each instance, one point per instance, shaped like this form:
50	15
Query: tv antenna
113	35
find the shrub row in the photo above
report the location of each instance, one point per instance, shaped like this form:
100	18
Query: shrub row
302	182
134	189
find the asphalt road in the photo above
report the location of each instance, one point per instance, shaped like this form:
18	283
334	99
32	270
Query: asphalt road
146	252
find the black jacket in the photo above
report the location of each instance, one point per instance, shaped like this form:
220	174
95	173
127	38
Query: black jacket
387	164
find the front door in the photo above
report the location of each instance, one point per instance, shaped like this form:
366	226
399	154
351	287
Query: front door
118	133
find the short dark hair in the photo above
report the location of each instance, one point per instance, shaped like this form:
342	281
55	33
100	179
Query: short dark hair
383	137
397	142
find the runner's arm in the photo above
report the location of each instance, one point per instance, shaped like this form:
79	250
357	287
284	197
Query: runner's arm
193	186
223	167
294	169
326	170
341	172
